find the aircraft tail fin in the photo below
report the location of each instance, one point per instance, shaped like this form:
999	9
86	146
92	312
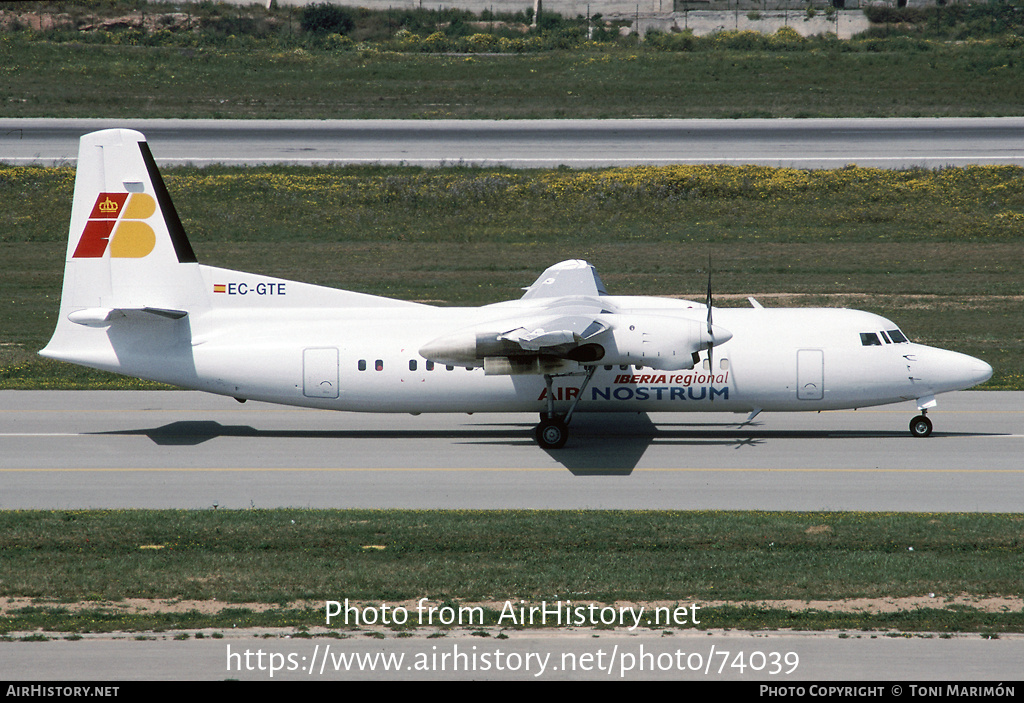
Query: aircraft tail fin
126	245
127	255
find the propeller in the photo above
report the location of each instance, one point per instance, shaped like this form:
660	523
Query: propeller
711	336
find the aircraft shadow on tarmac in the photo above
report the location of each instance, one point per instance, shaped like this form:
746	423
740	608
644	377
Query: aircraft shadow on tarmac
600	445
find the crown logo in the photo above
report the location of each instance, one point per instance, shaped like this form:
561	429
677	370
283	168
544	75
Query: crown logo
117	222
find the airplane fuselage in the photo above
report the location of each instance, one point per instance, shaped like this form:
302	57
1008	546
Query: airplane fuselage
366	359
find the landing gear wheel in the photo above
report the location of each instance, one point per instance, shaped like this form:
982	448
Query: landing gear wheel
921	426
551	433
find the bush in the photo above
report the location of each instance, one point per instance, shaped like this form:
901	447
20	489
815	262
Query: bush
786	39
884	14
327	19
677	41
956	22
745	40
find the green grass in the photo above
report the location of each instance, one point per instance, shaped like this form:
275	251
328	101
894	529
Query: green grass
74	79
298	559
221	61
939	252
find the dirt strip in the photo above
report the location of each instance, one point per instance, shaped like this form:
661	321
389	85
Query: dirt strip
9	606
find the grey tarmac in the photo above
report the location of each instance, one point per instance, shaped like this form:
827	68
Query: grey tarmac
798	143
778	658
179	449
127	449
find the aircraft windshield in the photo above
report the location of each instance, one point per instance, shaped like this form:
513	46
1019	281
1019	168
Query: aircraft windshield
874	339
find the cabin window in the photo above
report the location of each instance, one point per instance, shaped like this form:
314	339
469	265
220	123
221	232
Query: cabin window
450	368
724	364
430	366
412	364
897	336
870	339
379	364
362	364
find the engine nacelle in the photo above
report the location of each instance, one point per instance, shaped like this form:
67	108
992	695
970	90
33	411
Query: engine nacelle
657	342
468	348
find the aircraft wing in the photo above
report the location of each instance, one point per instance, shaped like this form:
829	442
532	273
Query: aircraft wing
568	278
572	320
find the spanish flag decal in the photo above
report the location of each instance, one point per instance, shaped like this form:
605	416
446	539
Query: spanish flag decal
118	219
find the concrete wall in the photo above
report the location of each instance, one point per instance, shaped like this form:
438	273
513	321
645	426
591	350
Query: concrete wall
652	14
566	8
843	23
579	7
572	8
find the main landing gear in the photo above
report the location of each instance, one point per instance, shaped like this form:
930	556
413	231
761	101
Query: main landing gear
553	430
551	433
921	426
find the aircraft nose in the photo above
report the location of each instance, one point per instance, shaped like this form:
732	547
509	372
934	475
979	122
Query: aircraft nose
953	371
976	371
966	371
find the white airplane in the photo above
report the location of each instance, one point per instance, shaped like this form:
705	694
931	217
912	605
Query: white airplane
136	301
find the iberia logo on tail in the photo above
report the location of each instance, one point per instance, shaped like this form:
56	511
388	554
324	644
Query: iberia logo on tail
117	220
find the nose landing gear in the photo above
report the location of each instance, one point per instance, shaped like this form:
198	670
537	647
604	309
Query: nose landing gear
921	426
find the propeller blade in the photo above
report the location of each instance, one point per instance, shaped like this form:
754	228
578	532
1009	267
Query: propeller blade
711	365
711	333
709	296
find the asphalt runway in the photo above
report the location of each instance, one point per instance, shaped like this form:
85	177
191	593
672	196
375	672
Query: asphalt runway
117	449
804	143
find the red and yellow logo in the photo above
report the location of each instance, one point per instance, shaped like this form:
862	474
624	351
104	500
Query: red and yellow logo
117	220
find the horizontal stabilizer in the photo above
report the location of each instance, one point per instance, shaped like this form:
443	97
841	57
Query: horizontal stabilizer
104	317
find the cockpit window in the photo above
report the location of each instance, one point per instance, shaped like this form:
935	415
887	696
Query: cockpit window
885	337
869	339
897	336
